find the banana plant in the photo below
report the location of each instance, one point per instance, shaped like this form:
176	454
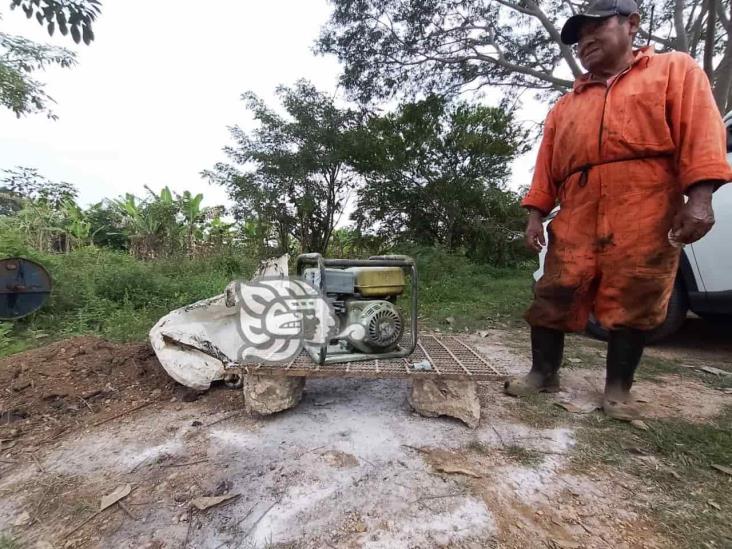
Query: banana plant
190	207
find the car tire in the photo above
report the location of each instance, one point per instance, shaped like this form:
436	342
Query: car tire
678	306
717	318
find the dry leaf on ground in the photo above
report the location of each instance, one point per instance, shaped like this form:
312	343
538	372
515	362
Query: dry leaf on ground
204	503
118	493
447	468
578	407
727	470
715	371
564	544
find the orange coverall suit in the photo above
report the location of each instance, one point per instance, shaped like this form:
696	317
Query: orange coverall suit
618	159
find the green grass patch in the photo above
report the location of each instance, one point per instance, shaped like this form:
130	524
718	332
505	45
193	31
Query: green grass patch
651	368
7	542
540	412
471	295
525	456
673	459
111	294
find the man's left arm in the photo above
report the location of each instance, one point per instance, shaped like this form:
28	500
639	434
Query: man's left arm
701	152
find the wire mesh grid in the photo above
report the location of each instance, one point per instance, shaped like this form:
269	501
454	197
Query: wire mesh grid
449	356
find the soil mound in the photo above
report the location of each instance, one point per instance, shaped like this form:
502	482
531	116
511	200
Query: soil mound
80	381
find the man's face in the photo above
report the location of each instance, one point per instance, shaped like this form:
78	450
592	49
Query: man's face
604	41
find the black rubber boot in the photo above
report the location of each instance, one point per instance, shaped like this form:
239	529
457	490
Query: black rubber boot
624	351
547	348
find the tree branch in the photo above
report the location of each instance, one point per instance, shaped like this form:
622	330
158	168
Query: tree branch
567	53
558	83
663	41
723	17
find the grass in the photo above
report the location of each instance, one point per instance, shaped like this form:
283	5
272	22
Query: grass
97	291
688	498
525	456
110	294
691	500
6	542
470	295
539	411
652	368
515	452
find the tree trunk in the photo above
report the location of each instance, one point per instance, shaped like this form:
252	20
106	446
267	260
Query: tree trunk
709	40
682	43
723	81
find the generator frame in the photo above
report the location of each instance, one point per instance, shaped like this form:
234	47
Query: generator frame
320	353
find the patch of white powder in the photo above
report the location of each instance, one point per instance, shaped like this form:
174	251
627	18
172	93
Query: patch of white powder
468	519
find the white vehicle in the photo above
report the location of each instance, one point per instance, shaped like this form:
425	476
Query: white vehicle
704	280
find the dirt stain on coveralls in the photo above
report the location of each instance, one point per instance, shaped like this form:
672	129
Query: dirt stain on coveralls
604	241
635	147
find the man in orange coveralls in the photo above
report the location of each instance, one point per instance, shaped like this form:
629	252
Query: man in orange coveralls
636	133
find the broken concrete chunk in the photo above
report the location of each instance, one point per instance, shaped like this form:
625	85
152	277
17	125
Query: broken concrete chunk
446	397
268	395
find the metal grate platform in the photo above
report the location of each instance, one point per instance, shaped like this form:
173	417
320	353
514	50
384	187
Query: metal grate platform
451	357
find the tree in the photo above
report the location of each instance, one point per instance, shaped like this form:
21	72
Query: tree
26	184
436	173
20	57
290	175
150	224
44	213
446	46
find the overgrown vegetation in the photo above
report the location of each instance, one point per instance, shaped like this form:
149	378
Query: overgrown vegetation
112	294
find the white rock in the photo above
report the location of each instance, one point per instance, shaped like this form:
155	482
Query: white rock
268	395
446	397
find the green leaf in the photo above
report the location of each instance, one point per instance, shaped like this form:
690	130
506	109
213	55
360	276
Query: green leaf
166	197
75	33
87	34
50	28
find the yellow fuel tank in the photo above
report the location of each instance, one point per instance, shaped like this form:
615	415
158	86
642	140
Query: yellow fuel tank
378	281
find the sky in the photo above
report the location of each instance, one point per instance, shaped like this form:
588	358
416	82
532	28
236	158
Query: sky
150	99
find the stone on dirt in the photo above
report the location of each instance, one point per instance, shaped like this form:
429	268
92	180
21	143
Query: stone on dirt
446	397
268	395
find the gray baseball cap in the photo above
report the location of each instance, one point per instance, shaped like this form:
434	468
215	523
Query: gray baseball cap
596	10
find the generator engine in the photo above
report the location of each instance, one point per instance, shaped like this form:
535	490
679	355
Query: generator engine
364	300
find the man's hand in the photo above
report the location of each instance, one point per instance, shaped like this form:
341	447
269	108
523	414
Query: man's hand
535	231
696	217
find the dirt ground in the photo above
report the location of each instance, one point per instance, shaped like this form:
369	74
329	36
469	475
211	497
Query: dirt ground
351	466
